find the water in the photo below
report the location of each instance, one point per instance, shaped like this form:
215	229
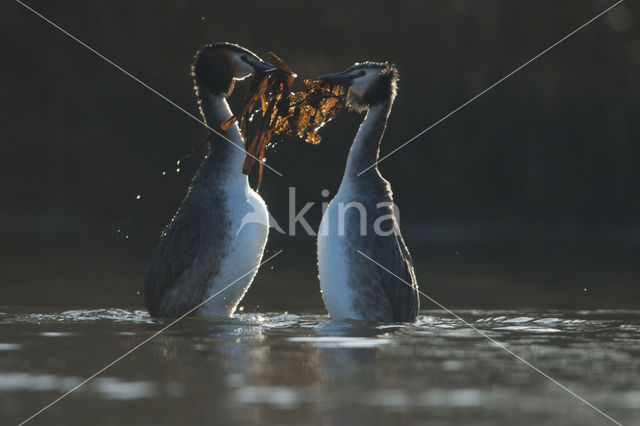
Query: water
286	369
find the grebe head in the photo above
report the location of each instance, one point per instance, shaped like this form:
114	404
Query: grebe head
367	83
217	66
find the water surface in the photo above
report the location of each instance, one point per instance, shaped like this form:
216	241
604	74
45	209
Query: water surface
288	369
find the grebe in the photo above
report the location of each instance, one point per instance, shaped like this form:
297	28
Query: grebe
206	246
353	287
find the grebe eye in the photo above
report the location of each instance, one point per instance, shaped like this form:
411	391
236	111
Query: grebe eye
243	57
361	73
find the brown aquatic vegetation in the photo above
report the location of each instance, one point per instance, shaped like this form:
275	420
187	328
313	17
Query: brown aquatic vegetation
311	109
283	112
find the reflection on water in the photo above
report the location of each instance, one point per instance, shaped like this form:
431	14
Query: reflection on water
341	342
104	387
305	369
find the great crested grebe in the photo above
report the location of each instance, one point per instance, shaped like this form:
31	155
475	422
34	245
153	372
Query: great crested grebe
206	246
354	287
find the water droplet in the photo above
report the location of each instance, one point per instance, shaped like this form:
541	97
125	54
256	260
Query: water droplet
202	18
138	196
324	193
126	237
585	289
178	163
178	170
164	173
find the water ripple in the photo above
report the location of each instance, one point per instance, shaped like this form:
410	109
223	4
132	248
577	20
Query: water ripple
82	315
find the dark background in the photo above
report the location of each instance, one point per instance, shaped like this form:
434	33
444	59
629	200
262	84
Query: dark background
528	197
